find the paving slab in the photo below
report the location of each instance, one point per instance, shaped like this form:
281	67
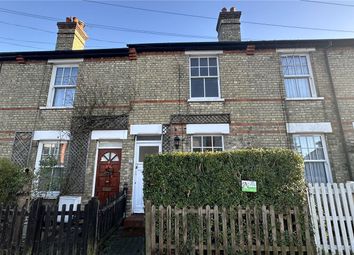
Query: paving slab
120	244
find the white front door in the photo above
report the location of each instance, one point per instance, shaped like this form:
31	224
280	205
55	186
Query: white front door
142	148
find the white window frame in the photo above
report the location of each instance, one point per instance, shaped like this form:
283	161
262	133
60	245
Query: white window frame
40	193
218	98
325	151
212	135
310	77
52	87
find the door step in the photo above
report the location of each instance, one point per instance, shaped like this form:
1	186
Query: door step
130	232
135	221
134	225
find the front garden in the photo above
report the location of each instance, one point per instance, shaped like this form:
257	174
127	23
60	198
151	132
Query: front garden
195	203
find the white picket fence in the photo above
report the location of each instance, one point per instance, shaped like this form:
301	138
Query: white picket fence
332	213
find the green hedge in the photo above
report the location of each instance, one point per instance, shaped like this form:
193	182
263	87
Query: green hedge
199	179
12	180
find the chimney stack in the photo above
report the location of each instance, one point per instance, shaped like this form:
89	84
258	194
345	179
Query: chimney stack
71	34
228	26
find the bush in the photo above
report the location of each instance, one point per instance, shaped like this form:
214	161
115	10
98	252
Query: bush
12	180
199	179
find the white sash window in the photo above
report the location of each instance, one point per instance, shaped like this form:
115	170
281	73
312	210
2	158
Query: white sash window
204	78
298	76
313	149
50	166
203	143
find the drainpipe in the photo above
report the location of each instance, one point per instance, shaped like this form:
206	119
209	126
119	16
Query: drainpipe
336	108
285	111
284	107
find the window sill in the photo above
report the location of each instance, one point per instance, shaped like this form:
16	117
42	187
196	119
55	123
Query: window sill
304	98
201	100
55	108
47	195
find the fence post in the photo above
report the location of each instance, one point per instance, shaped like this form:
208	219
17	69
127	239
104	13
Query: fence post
92	226
148	227
34	225
311	249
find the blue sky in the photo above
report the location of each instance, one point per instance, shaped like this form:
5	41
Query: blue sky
302	13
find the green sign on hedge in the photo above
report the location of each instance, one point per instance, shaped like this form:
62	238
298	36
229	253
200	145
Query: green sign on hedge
249	186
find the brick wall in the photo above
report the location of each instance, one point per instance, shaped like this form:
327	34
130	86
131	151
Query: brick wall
156	85
341	62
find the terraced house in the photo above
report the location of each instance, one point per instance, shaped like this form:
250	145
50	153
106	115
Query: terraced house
98	113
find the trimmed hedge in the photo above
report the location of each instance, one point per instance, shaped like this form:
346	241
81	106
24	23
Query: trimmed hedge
199	179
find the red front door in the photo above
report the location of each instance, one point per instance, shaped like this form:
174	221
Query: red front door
108	173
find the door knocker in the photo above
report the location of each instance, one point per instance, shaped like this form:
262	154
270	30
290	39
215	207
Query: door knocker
108	172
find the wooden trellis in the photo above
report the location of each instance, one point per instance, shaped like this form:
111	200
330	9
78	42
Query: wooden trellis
21	148
199	118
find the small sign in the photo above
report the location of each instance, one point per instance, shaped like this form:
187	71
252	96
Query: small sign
106	189
249	186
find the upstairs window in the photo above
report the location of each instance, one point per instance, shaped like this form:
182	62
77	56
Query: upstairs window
63	86
204	78
298	77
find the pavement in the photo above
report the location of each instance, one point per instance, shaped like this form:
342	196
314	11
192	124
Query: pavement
121	243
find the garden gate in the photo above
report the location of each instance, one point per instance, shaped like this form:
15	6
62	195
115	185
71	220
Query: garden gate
332	213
